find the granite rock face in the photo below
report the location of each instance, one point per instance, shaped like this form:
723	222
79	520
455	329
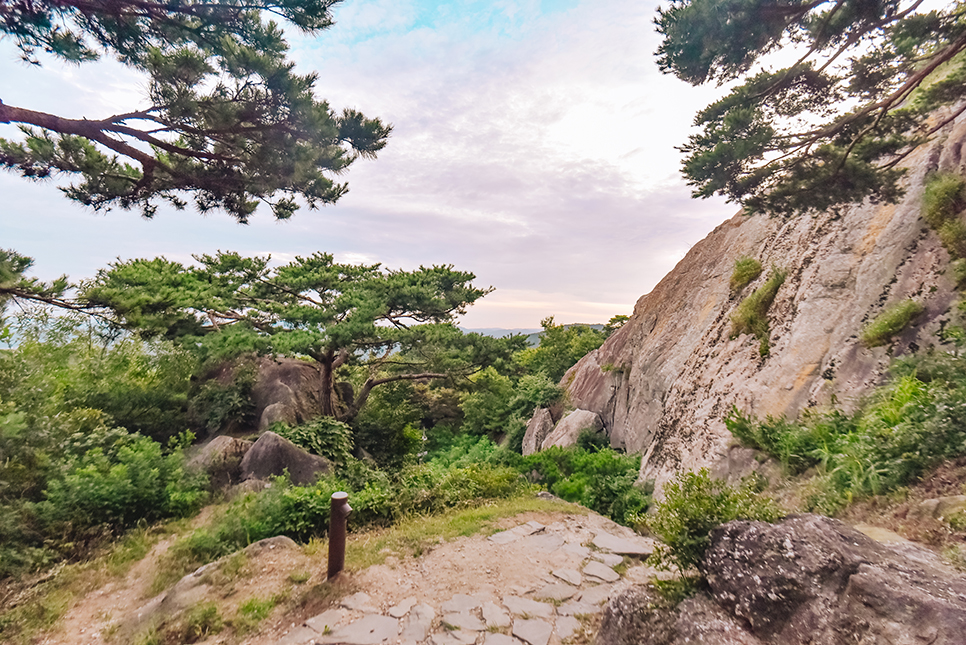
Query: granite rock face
664	381
288	390
567	430
221	458
806	580
272	455
540	425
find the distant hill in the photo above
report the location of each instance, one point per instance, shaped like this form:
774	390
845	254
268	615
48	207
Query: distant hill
533	335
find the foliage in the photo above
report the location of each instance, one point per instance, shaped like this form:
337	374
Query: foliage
603	480
323	436
201	621
892	320
746	270
943	200
389	428
391	325
751	316
693	504
377	498
909	426
498	406
225	120
223	401
14	284
829	128
561	346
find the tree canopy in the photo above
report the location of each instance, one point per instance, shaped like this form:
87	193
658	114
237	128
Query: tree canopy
226	119
833	124
391	325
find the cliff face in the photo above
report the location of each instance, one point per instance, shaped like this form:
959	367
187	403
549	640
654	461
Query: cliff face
663	382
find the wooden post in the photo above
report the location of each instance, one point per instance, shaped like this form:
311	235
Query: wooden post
338	513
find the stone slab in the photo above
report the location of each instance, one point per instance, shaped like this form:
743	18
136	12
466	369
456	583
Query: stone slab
464	620
300	635
525	607
638	547
546	542
577	608
568	575
457	637
556	592
326	621
402	608
499	639
565	627
495	616
610	559
368	630
534	632
601	571
597	595
460	602
417	624
577	549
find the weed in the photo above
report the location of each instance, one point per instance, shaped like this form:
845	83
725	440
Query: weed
751	316
746	269
890	322
202	621
299	577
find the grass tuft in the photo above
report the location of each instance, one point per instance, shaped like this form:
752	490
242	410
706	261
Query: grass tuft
890	322
751	316
746	270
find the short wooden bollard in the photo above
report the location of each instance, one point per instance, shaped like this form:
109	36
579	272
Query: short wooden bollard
338	513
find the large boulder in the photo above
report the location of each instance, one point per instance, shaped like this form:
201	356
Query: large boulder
287	390
272	455
640	615
808	580
541	423
221	459
811	579
567	430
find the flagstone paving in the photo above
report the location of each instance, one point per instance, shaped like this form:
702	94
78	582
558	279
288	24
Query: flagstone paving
528	585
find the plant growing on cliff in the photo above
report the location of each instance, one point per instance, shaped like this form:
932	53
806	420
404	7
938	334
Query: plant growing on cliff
943	200
892	320
693	504
831	127
746	269
391	325
751	316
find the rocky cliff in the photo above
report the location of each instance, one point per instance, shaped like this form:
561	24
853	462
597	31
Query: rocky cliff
663	382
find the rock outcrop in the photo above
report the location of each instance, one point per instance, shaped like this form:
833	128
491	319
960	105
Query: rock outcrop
664	381
806	580
288	390
569	428
221	458
272	455
540	425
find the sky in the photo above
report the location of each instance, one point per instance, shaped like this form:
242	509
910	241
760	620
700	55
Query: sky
533	145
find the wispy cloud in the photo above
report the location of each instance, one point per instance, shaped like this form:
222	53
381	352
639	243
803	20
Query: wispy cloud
534	145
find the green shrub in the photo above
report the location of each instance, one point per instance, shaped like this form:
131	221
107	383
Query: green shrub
201	621
746	269
223	401
907	427
603	480
943	198
323	436
890	322
693	504
751	316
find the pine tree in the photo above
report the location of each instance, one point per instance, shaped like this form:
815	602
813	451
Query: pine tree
226	121
863	92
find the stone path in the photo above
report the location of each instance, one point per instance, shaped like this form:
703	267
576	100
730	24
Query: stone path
524	586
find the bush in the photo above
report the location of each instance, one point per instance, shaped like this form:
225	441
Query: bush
693	504
746	269
907	427
751	316
323	436
943	198
890	322
603	480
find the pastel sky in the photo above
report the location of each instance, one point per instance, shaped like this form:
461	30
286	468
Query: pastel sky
533	145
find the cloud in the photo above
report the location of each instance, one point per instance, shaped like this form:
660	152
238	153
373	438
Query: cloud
533	145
